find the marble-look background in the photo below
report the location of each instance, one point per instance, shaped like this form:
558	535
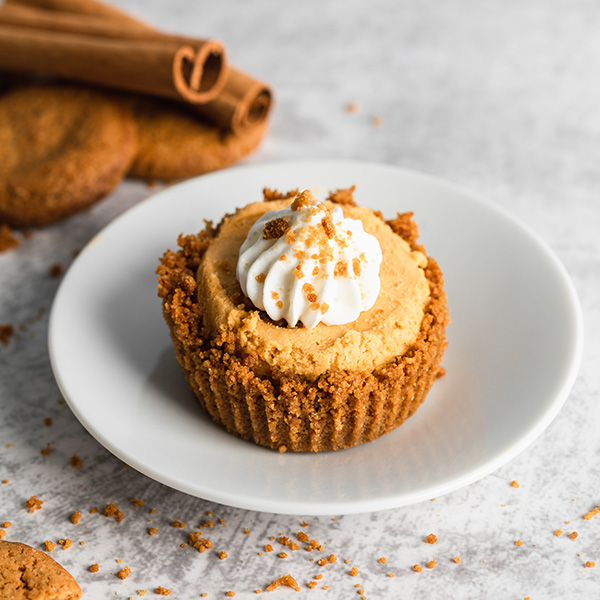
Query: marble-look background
499	97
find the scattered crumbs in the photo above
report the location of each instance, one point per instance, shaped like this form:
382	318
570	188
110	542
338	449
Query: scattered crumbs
65	543
49	546
153	531
76	462
382	560
592	513
282	555
176	523
285	580
152	511
119	561
82	543
56	270
5	481
111	510
325	587
514	483
589	564
417	568
268	548
518	542
230	594
456	559
353	572
93	510
391	574
567	522
136	502
34	504
75	517
6	524
331	558
305	524
221	521
48	421
222	555
302	537
124	573
2	533
161	591
184	545
431	564
573	535
312	585
246	531
347	561
318	576
558	532
431	538
142	592
45	451
94	568
199	543
286	541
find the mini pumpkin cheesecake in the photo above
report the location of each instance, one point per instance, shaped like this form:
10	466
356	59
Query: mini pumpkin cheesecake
303	325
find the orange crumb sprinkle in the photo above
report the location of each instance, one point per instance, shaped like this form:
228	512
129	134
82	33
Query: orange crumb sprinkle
111	510
76	462
2	533
124	573
94	568
45	451
456	559
382	560
230	594
34	504
282	555
142	592
137	503
589	564
573	535
558	532
49	546
514	483
246	531
318	576
161	591
268	548
75	517
353	572
303	524
391	574
518	542
222	555
6	524
5	481
152	530
592	513
65	543
285	580
179	524
431	538
302	536
312	585
431	564
286	541
93	510
417	568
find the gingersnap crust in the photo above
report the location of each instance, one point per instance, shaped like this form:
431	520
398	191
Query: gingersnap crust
62	148
338	409
174	143
27	573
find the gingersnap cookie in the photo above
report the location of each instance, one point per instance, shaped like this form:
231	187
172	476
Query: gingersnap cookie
61	149
174	143
27	573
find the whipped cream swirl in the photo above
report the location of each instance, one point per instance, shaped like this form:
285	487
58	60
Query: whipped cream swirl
308	263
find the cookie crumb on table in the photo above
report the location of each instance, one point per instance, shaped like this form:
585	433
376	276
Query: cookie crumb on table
94	568
76	462
431	538
285	580
49	546
111	510
124	573
161	591
34	504
75	517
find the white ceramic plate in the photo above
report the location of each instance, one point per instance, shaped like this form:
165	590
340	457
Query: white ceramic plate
514	348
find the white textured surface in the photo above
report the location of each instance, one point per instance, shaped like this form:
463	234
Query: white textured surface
500	98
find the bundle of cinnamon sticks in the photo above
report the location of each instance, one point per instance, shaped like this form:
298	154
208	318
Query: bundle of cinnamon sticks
85	40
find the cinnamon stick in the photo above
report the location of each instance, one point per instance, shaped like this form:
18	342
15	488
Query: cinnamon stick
243	102
101	53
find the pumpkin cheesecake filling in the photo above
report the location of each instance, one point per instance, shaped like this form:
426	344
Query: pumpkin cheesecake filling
374	339
290	381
